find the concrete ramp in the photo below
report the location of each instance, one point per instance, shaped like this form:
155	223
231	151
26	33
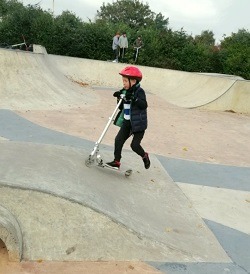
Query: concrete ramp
30	81
147	204
44	81
237	98
184	89
11	233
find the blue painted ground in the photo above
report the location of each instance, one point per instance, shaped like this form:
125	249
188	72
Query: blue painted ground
230	177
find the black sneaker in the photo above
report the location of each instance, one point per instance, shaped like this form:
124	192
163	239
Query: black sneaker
146	161
114	164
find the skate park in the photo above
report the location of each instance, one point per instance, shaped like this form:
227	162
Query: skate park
189	213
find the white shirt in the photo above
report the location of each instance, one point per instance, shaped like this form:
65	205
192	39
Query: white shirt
126	108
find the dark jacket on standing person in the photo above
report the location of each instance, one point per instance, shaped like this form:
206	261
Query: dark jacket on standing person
138	43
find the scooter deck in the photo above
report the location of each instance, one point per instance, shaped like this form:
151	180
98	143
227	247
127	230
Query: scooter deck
92	162
127	172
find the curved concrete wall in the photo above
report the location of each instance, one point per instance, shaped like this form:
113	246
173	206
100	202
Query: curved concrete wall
237	98
27	79
30	81
184	89
10	234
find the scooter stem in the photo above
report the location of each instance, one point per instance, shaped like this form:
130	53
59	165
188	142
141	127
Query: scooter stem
107	126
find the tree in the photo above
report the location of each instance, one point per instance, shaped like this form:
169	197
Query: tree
206	38
131	12
31	22
14	22
160	22
67	34
3	8
235	54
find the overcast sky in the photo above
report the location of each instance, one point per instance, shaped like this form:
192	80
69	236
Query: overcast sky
220	16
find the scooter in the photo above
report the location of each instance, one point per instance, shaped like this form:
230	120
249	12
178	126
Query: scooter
95	157
137	52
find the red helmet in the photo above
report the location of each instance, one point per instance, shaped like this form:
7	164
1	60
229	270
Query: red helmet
131	73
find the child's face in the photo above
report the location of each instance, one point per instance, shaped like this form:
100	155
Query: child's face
126	84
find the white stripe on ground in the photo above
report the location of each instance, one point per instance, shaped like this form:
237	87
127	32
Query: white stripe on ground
225	206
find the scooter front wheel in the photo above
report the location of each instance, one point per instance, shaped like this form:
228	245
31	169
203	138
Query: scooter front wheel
89	161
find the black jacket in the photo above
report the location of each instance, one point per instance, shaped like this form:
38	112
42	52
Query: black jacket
138	111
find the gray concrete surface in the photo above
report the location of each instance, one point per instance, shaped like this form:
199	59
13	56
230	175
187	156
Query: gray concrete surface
236	244
148	204
11	234
58	229
37	84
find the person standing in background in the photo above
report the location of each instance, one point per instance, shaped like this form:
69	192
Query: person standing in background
115	47
123	45
138	44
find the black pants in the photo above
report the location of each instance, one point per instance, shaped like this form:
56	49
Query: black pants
121	137
135	58
122	53
116	53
